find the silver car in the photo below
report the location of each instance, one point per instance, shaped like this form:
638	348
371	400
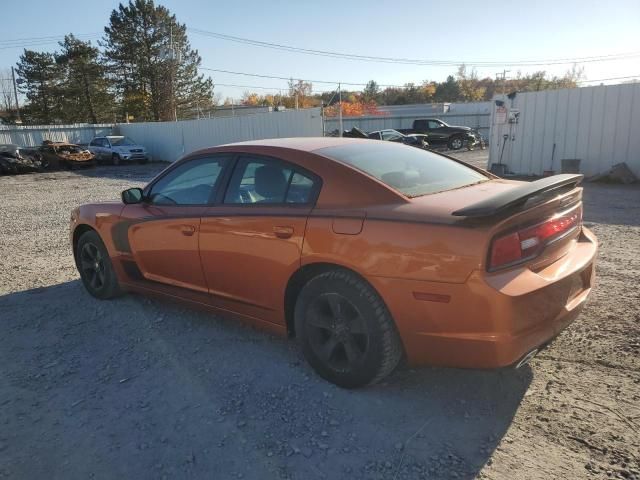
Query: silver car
118	148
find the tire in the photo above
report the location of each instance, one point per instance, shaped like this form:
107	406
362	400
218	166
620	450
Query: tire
345	330
456	143
95	267
115	159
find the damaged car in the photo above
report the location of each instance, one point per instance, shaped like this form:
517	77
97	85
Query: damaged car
15	159
390	135
67	155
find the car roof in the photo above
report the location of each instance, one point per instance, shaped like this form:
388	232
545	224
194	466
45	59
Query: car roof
305	144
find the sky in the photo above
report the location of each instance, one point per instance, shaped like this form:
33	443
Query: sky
461	31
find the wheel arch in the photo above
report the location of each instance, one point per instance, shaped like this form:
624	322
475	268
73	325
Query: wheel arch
80	230
299	279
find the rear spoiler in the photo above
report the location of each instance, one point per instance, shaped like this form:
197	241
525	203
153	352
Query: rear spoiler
503	201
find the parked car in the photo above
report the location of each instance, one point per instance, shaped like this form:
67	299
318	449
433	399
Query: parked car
441	133
366	251
117	148
67	155
415	140
15	159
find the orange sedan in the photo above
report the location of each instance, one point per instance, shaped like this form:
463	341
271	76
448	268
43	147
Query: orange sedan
368	252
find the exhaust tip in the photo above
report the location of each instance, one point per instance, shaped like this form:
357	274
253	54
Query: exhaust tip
527	358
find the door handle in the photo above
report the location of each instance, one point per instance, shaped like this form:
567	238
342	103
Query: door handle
188	230
283	231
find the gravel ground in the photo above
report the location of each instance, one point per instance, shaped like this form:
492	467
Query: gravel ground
139	388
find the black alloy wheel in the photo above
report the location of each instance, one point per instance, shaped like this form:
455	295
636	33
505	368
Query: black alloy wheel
337	332
345	330
95	268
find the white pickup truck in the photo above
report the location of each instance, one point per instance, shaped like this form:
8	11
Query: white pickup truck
117	148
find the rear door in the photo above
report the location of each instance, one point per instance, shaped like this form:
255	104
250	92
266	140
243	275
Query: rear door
251	242
164	231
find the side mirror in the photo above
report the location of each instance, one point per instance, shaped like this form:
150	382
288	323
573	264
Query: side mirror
132	195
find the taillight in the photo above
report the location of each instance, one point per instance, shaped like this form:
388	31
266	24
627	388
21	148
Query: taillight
528	242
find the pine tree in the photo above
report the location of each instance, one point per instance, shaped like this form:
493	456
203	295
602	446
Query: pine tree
83	89
155	70
38	79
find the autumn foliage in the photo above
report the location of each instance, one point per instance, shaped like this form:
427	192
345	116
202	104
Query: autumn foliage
356	108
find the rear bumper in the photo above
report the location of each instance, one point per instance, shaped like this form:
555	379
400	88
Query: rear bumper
491	320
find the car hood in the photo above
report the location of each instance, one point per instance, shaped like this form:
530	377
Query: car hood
127	148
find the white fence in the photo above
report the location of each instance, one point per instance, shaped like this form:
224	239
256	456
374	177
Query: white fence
479	121
170	140
32	136
600	126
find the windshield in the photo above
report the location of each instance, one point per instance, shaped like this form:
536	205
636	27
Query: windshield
411	171
121	141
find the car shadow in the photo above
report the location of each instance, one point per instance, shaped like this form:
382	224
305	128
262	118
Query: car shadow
141	388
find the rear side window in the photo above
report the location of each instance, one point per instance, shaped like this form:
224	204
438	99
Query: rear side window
258	180
409	170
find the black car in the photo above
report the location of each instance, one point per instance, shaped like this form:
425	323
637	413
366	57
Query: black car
441	133
390	135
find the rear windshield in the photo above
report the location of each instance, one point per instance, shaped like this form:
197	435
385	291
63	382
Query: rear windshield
410	170
121	141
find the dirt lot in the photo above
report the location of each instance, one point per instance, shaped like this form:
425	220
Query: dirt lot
136	388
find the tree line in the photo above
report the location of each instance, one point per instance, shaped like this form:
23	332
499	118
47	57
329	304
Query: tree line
464	86
143	69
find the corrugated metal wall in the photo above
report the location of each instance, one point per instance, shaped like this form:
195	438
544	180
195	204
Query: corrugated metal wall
598	125
170	140
480	121
32	136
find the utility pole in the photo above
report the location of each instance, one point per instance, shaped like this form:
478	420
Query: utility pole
15	93
503	76
340	109
174	66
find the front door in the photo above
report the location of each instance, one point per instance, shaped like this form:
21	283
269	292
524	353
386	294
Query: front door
164	230
251	244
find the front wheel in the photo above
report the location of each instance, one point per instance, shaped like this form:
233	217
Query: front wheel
345	330
115	159
94	265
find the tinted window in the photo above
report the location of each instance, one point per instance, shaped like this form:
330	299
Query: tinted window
94	142
411	171
192	183
122	141
300	189
260	180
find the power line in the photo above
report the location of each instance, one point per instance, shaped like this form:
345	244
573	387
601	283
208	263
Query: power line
409	61
36	41
331	82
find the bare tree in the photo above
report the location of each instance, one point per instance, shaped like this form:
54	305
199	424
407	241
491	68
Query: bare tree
7	102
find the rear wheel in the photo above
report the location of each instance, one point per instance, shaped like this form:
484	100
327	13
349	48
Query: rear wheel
456	143
94	265
346	332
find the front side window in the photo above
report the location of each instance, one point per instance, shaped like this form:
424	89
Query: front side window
258	180
433	124
411	171
192	183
